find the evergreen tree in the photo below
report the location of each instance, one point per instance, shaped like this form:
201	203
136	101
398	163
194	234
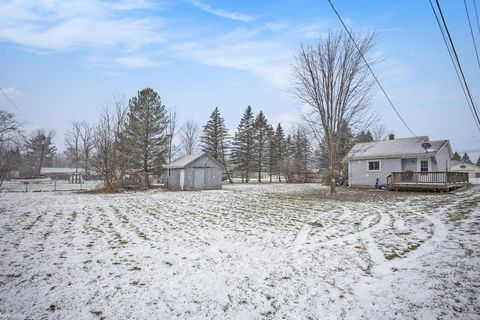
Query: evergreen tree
40	149
260	140
215	140
345	141
242	156
456	157
279	151
478	161
298	156
364	137
466	158
272	152
146	139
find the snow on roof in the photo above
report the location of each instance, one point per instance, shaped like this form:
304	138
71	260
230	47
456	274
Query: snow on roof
183	161
60	170
397	148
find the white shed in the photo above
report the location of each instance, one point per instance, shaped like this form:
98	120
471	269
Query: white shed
197	171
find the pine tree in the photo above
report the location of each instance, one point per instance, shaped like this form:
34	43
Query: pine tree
260	143
279	149
146	133
456	157
466	158
345	141
364	137
215	139
272	152
243	145
40	149
478	161
298	156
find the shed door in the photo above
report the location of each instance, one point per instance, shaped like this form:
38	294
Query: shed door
199	178
182	179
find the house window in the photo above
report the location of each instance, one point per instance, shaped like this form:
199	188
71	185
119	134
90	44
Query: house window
373	165
423	165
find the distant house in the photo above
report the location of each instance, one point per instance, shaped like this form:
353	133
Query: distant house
472	170
197	171
370	161
60	173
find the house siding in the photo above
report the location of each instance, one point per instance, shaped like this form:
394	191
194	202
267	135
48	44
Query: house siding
360	176
443	159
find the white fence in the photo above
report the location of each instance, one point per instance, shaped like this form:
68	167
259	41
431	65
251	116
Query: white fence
47	185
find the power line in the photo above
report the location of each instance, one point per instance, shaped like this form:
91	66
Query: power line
450	53
13	102
476	14
456	61
471	32
369	68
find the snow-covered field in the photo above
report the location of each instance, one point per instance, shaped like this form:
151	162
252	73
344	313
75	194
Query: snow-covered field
247	252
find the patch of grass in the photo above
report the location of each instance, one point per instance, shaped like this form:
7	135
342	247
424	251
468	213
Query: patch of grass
135	268
316	224
96	313
412	247
392	256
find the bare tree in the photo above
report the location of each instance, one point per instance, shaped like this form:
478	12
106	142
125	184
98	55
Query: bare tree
332	78
110	158
379	132
190	137
87	140
72	140
171	130
10	143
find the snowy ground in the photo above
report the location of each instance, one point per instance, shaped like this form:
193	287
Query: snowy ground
247	252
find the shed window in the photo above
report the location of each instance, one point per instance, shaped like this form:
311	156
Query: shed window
373	165
423	165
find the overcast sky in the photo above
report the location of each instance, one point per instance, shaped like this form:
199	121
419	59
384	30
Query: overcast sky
62	60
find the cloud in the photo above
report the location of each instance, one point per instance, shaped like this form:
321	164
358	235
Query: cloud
267	60
222	13
65	25
136	62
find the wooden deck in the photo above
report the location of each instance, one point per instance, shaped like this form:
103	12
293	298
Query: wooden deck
432	180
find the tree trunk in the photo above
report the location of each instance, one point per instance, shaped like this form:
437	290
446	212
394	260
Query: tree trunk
225	163
332	167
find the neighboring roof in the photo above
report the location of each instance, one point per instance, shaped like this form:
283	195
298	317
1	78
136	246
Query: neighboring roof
185	160
397	148
59	170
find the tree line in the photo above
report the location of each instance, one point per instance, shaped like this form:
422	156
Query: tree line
135	138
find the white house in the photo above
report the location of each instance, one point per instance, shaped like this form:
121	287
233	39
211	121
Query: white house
378	159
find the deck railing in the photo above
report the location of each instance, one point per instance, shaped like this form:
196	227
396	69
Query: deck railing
430	177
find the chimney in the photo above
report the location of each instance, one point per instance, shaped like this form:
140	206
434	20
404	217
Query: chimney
391	136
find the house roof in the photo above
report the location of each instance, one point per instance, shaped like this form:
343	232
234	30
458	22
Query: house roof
397	148
185	160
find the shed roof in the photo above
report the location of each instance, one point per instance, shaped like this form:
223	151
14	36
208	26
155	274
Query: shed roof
397	148
185	160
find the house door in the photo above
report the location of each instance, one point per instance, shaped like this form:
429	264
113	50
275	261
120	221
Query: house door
199	179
